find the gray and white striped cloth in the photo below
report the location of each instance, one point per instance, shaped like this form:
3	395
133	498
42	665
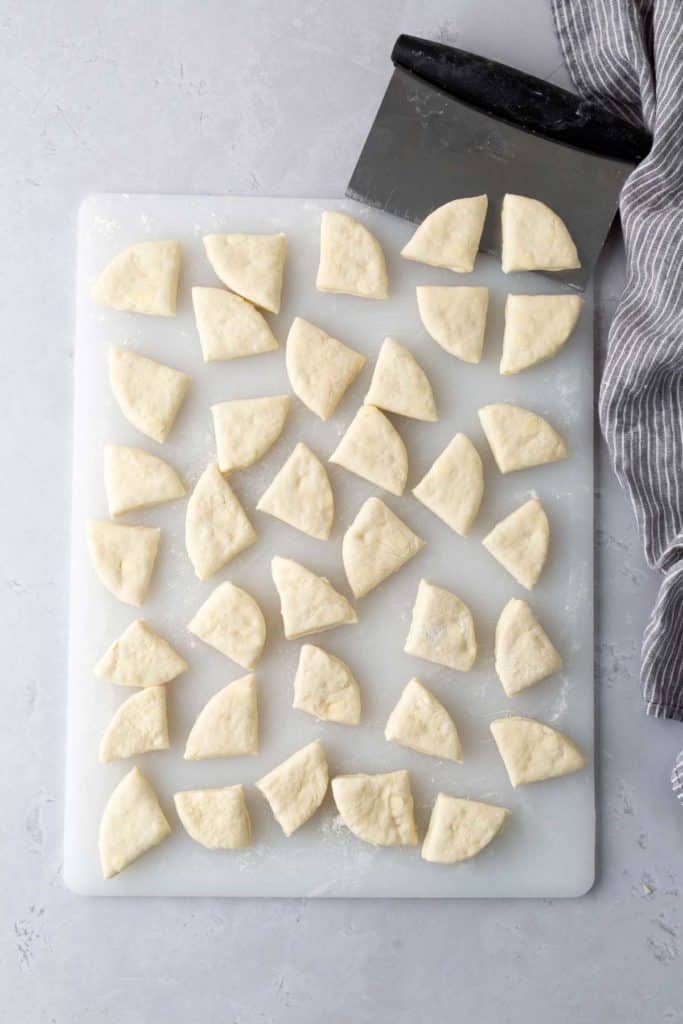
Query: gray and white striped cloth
628	56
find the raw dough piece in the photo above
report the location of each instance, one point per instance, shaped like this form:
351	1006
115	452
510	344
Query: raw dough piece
375	546
421	722
533	751
149	394
140	657
231	621
449	237
460	829
132	823
300	494
399	384
455	318
308	603
442	629
373	449
216	818
524	652
246	428
519	438
351	258
216	525
534	237
324	687
229	327
251	265
377	808
123	557
320	367
454	486
227	725
134	478
520	542
536	328
141	279
137	726
297	787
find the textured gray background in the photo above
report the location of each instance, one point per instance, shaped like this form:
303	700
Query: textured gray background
272	97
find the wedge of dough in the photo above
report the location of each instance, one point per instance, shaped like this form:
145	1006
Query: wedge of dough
148	393
534	237
216	818
141	279
399	384
138	726
132	823
536	328
454	486
308	603
520	542
123	558
247	428
140	657
373	449
455	318
377	808
420	721
133	478
533	751
325	688
524	652
216	525
449	237
251	265
460	829
441	629
375	546
519	438
231	621
227	725
320	367
351	258
301	495
228	326
297	787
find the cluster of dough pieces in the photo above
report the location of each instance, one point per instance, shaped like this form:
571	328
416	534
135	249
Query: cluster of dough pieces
377	808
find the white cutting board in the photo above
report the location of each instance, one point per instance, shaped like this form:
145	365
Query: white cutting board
548	847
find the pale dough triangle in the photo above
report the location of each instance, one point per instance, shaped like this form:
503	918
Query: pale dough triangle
534	237
141	279
133	478
132	823
320	367
297	787
455	318
227	725
140	657
373	449
325	687
216	818
375	546
520	542
251	265
228	326
308	603
519	438
454	486
216	525
231	621
533	751
460	829
399	384
246	428
449	237
148	393
441	629
123	558
536	328
524	652
421	722
351	258
300	494
139	725
377	808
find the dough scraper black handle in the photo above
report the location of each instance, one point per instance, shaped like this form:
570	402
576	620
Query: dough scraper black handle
520	99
